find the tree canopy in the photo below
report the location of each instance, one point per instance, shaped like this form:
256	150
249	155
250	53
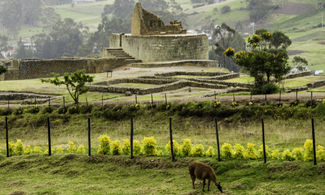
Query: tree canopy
263	61
75	83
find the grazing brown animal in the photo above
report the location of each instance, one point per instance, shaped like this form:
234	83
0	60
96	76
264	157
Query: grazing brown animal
203	171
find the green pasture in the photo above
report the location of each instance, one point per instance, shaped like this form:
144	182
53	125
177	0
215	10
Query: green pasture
79	174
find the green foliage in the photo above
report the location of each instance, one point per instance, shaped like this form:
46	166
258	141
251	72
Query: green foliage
198	150
3	69
126	147
60	150
28	149
37	150
72	148
136	147
276	155
287	155
267	88
238	151
308	154
74	110
210	152
320	153
104	147
176	148
260	153
18	111
250	152
299	61
62	110
225	9
33	110
279	39
47	109
298	153
226	150
75	83
116	147
84	109
19	148
81	149
149	146
186	147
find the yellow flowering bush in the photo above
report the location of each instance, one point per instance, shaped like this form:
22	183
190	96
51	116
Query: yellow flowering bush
250	152
229	52
226	150
37	150
81	149
176	147
276	155
126	146
320	153
19	148
186	147
136	147
260	153
210	152
115	147
72	148
59	150
104	145
238	151
198	150
308	154
149	146
287	155
298	153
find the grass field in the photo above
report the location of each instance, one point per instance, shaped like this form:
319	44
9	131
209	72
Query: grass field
79	174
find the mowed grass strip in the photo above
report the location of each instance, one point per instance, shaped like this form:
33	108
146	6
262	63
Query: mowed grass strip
80	174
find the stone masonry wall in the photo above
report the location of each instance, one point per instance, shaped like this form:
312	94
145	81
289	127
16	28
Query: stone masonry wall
155	48
30	69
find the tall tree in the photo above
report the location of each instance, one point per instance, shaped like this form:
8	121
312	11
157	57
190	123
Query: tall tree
4	46
23	52
262	62
226	37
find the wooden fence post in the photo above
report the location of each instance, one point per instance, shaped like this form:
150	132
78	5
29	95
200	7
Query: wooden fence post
89	137
296	94
63	101
131	138
263	137
102	100
136	98
49	101
8	104
166	98
49	135
151	99
233	97
7	137
171	139
217	135
314	144
311	96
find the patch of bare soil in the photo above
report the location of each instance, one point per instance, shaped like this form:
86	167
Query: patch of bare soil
321	42
292	8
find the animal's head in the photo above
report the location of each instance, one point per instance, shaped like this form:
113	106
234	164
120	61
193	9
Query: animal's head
219	186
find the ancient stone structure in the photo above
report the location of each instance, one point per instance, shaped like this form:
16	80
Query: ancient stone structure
153	41
146	23
36	68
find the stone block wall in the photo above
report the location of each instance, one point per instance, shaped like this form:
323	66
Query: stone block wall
30	69
156	48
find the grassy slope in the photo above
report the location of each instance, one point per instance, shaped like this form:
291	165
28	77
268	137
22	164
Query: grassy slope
79	174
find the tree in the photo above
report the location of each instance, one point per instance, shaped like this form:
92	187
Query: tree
22	52
3	45
300	62
264	61
226	37
278	39
75	83
3	70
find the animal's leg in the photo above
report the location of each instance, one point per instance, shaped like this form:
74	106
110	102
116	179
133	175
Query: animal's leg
209	185
193	180
203	184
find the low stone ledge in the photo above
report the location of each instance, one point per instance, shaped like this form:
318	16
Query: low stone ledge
316	84
178	73
300	74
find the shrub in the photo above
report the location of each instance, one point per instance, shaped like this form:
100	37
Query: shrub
210	152
62	110
84	109
308	154
225	9
33	110
186	147
175	148
260	153
72	148
226	150
238	151
11	147
47	109
126	146
104	145
276	155
81	149
298	153
250	152
37	150
74	110
19	148
115	147
18	111
59	150
136	147
198	150
287	155
149	146
267	88
28	149
320	153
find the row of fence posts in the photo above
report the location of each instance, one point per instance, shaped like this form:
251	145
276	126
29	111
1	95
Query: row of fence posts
165	98
170	134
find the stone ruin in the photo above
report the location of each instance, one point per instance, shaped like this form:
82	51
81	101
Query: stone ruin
146	23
